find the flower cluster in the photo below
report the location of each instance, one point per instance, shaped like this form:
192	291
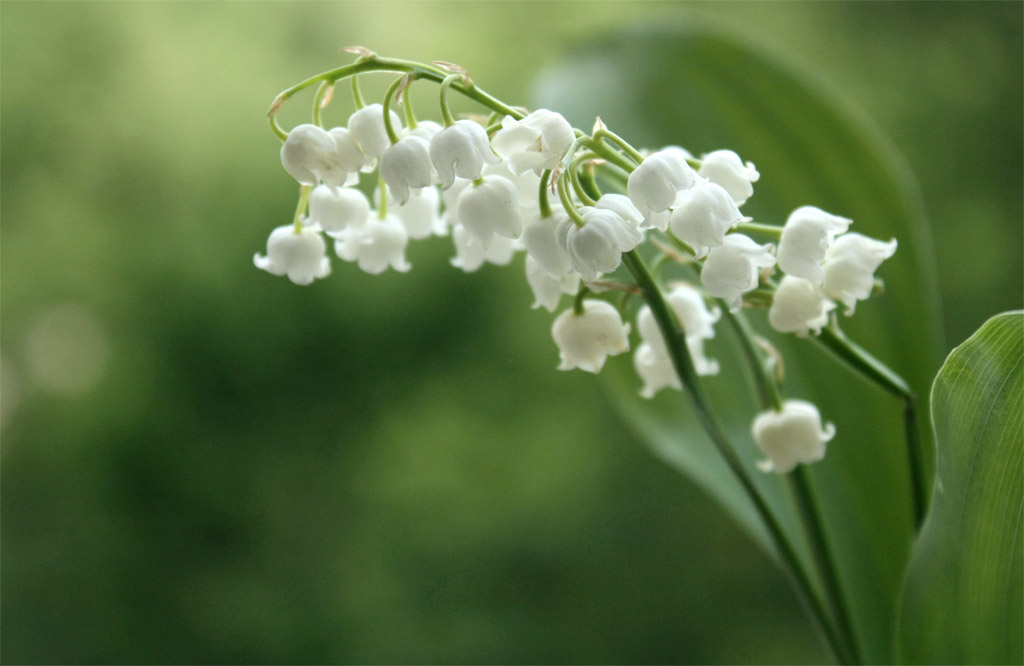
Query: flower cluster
530	183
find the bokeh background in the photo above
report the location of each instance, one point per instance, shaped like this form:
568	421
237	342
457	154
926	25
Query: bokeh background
202	463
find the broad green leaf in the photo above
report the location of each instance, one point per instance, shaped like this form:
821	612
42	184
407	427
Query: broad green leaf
963	602
706	89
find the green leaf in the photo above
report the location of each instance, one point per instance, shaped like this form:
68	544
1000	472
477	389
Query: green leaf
963	602
706	89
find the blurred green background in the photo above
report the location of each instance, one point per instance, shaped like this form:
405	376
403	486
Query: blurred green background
204	463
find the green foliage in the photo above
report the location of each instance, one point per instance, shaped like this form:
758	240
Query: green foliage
706	89
963	601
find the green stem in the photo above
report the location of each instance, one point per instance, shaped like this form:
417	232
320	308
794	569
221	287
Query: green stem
542	194
318	101
276	128
609	154
814	527
769	230
392	89
765	386
567	203
683	364
357	95
408	111
574	177
633	153
446	111
857	358
300	209
382	206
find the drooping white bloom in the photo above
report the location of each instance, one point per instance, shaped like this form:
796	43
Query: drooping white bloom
379	244
791	437
622	205
421	214
537	142
527	185
310	154
425	129
656	372
470	256
597	246
542	245
406	165
449	198
703	214
850	265
725	168
461	150
337	209
654	185
692	312
301	256
733	268
350	158
799	306
805	239
702	364
548	290
586	340
367	128
490	208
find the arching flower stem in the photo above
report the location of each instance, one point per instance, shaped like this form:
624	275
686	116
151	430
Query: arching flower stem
446	111
767	230
542	194
392	89
683	364
318	102
300	209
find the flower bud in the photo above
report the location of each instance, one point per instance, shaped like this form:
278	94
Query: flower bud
367	128
799	306
732	269
537	142
490	207
724	168
703	214
586	340
850	265
597	246
805	239
654	185
792	436
461	150
405	165
301	256
338	209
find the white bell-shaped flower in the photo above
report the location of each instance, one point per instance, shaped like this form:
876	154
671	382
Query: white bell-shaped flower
338	209
490	207
805	240
656	372
850	265
301	256
425	129
623	206
349	159
732	269
470	255
461	150
799	306
654	185
406	165
692	312
548	290
449	198
379	244
597	246
542	245
586	340
367	128
537	142
310	154
792	436
421	214
725	168
703	214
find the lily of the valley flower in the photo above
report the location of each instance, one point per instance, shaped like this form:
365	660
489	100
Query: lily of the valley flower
656	372
799	306
805	240
406	165
461	150
725	168
367	128
378	245
654	185
703	214
850	265
586	340
490	207
338	209
537	142
301	256
792	436
732	269
470	255
310	154
542	245
548	290
597	246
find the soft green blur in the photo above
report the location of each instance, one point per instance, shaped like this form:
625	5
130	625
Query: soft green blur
205	463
